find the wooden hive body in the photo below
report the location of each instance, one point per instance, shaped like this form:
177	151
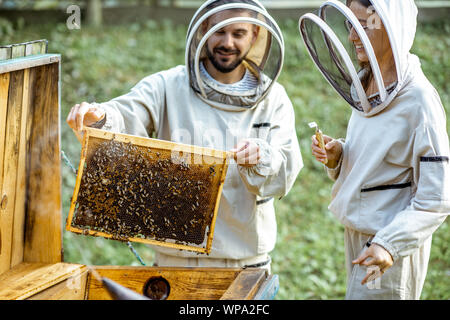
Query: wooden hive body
31	259
30	184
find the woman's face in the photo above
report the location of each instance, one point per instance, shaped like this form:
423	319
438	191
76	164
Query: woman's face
375	31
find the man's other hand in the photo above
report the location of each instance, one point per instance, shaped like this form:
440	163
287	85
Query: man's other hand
246	153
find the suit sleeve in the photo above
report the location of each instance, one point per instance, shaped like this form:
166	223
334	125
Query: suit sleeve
430	205
137	112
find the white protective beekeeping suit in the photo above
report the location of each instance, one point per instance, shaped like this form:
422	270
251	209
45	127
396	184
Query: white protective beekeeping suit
392	184
185	106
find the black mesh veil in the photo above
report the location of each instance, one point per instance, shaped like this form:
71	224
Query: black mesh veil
342	44
330	61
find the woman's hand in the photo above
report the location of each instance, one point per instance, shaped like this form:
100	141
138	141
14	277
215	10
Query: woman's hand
375	255
332	152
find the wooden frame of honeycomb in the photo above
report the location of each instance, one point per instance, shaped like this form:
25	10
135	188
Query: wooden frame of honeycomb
146	190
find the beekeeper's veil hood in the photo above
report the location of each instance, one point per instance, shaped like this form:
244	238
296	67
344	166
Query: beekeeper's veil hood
264	59
346	45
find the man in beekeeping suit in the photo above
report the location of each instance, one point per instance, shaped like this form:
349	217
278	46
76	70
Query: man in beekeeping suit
226	97
391	172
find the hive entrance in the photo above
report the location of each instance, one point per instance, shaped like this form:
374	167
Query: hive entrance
147	190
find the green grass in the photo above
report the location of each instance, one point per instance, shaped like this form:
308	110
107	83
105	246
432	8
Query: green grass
99	64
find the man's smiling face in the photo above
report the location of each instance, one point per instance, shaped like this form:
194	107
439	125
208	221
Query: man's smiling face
228	47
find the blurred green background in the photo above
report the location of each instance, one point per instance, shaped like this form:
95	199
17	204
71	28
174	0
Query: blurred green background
101	63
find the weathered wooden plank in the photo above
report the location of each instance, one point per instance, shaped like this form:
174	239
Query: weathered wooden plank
268	289
4	90
73	288
5	53
245	286
28	279
19	206
18	51
43	234
28	62
185	283
10	164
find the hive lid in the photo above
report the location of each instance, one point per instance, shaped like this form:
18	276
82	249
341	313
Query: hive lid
145	190
20	56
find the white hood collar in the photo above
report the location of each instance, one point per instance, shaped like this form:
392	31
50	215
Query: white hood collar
400	20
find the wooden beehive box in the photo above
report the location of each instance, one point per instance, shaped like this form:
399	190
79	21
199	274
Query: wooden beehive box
30	178
31	260
147	190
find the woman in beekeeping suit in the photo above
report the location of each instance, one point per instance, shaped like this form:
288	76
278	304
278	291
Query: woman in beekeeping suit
391	172
226	97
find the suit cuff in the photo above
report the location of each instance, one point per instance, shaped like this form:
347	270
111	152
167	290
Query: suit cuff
386	246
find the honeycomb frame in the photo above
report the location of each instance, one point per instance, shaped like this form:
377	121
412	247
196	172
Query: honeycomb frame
198	199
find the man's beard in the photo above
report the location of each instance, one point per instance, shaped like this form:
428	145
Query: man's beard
218	65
